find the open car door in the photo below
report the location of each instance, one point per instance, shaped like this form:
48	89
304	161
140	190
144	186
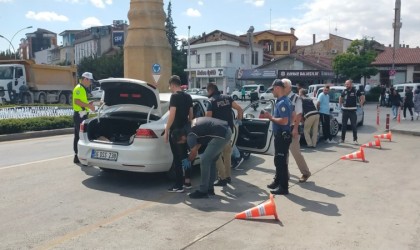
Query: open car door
256	134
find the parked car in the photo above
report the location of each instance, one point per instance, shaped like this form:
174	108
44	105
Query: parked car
259	88
192	91
127	134
96	93
268	94
313	90
336	112
402	88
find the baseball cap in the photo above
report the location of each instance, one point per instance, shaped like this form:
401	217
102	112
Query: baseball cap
87	75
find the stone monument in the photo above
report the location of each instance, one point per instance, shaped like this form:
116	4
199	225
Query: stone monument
147	53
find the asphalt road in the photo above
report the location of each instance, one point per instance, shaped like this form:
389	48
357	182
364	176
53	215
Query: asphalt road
47	202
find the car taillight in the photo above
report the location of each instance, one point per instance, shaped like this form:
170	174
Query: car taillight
82	127
145	133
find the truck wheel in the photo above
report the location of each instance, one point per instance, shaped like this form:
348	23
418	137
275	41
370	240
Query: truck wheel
70	99
62	99
42	99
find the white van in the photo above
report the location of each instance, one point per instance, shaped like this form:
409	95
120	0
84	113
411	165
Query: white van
259	88
402	88
313	89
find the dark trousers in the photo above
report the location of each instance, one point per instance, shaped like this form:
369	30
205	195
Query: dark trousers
349	114
77	120
179	152
383	103
281	147
326	130
408	106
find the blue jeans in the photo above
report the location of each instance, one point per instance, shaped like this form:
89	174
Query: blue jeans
208	161
395	111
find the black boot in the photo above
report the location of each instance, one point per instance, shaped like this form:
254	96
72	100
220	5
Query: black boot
275	184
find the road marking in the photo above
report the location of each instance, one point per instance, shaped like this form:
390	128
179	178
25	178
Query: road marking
34	162
89	228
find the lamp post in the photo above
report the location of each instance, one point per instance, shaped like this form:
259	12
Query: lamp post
10	43
189	59
29	27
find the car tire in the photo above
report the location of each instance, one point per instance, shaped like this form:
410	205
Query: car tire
235	97
334	127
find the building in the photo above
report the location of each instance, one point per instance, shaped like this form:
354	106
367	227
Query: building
406	66
39	40
67	48
331	47
217	56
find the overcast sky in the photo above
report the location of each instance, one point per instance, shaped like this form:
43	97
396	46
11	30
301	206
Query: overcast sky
350	19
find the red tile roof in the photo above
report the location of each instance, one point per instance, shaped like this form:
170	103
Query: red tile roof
402	56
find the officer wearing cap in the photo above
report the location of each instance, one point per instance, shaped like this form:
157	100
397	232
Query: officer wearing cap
81	108
282	136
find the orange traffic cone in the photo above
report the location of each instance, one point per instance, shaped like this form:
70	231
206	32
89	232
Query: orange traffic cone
356	155
384	136
376	143
266	208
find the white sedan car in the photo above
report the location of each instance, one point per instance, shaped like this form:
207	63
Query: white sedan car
96	93
127	134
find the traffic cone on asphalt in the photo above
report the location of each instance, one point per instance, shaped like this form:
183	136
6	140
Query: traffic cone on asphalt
264	209
387	136
376	143
399	116
356	155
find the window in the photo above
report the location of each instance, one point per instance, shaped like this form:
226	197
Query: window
230	57
208	60
285	46
278	46
197	59
243	58
255	58
218	59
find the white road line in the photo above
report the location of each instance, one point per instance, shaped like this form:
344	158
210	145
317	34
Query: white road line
34	162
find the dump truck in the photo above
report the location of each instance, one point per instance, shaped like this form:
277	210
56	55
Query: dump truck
25	82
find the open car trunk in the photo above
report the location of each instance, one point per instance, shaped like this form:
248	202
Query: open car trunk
116	129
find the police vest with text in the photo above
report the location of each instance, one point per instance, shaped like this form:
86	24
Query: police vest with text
350	99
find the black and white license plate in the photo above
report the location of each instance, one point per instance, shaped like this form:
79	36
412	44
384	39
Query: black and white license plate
104	155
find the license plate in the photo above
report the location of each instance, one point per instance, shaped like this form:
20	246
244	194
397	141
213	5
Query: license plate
104	155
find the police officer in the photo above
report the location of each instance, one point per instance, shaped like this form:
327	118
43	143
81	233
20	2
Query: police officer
220	107
348	104
282	136
81	108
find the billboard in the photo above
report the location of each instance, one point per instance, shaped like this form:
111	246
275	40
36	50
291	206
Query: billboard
118	39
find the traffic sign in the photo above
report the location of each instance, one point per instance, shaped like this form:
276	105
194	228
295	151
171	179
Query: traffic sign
392	72
156	68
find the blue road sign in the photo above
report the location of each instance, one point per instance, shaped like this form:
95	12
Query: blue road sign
156	68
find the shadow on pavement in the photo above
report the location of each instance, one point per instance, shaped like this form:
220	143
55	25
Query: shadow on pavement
310	185
319	207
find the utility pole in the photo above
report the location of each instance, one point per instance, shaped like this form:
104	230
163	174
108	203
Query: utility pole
189	59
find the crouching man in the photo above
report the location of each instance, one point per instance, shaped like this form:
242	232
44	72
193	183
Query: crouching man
212	133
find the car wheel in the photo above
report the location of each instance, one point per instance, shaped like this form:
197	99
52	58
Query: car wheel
334	127
235	97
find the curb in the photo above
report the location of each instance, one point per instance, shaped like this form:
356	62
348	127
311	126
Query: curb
36	134
405	132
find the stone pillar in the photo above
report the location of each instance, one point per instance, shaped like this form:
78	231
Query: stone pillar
147	46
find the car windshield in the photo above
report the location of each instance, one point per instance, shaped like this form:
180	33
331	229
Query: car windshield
335	95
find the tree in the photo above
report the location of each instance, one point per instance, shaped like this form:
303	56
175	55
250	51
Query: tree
8	55
179	55
103	67
356	62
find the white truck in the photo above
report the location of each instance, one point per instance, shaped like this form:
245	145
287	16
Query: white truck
23	81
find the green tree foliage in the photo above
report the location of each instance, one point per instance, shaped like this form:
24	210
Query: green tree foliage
103	67
356	62
179	55
8	55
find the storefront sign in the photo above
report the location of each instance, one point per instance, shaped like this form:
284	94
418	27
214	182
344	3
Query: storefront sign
305	74
118	38
245	74
213	72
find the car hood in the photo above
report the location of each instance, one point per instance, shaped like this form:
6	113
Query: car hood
121	92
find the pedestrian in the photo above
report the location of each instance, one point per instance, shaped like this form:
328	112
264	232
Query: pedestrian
180	113
220	107
227	90
297	109
81	108
311	122
348	103
208	132
417	103
243	92
408	103
323	105
281	120
396	102
383	93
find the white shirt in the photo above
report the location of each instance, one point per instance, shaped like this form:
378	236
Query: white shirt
296	102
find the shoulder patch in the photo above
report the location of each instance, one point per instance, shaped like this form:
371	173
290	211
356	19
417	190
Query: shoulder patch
283	109
77	92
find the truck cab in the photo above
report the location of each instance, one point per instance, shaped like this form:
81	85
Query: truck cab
12	82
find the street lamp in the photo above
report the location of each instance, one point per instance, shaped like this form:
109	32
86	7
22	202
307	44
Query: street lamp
10	43
189	59
11	40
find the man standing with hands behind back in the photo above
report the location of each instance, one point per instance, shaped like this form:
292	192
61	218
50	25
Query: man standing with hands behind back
81	108
348	104
282	136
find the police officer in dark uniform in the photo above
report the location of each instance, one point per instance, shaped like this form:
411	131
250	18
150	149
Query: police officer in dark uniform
81	107
282	137
348	103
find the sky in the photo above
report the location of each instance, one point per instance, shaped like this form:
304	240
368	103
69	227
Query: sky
350	19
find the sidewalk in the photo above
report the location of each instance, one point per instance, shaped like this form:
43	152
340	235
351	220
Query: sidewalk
407	127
